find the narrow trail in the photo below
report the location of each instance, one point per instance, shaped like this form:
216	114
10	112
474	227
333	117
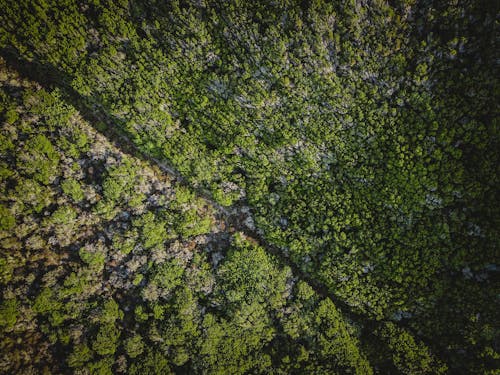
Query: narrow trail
235	217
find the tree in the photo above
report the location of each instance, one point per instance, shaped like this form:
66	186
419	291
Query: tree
8	313
106	341
72	188
7	219
39	159
134	346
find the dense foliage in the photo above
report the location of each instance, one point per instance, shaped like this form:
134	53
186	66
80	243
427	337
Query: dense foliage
362	138
109	266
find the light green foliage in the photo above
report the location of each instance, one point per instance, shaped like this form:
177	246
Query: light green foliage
77	283
64	215
32	196
154	363
39	160
102	366
140	314
72	188
111	312
6	144
7	266
124	244
333	345
95	257
11	116
409	356
120	184
248	274
106	341
80	355
168	276
134	346
180	330
63	221
191	224
7	220
8	313
250	288
47	303
138	279
106	209
78	138
230	346
153	230
183	195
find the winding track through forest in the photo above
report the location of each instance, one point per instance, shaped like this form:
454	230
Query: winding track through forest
234	217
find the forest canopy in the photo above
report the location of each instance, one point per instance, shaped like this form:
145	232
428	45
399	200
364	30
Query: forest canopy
234	187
